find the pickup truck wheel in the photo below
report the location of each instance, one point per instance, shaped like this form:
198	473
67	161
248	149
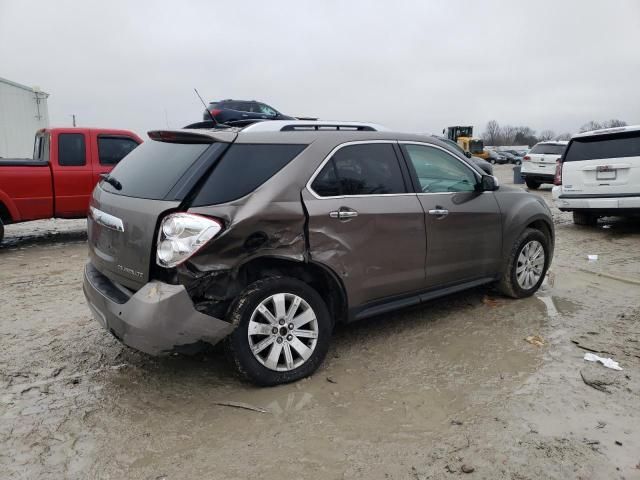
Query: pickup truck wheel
526	266
584	218
283	331
1	231
532	184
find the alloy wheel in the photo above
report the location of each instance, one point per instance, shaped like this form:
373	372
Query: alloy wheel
530	264
283	332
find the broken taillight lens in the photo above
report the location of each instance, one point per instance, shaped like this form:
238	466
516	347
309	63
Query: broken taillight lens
183	234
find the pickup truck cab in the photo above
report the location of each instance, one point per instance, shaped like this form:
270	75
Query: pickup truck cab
58	180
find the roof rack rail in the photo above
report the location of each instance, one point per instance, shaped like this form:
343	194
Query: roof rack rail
313	126
327	126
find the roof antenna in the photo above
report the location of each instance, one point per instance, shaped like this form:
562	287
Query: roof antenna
215	123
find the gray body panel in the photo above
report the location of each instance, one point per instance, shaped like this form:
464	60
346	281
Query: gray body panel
379	253
157	319
125	256
467	242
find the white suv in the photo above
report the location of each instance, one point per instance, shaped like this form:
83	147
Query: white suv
599	175
539	165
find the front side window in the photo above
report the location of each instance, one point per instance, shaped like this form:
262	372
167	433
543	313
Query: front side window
438	171
267	110
367	169
71	150
113	149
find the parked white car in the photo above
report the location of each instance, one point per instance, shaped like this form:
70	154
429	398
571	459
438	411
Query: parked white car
539	165
600	175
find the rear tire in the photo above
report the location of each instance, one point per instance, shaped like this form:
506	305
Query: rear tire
584	218
1	231
285	351
515	282
532	184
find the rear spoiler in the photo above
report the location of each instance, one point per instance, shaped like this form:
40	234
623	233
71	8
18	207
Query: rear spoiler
186	136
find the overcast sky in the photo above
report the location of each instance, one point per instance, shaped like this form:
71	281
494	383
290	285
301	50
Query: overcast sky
411	65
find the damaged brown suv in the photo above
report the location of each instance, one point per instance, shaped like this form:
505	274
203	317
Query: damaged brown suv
267	236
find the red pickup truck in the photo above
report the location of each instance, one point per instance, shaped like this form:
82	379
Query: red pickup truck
58	180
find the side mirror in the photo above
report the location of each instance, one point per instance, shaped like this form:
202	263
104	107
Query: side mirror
467	154
489	183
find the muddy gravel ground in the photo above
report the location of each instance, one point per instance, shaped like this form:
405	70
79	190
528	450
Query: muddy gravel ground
431	392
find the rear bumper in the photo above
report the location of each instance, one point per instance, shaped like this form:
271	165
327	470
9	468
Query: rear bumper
543	173
603	204
157	319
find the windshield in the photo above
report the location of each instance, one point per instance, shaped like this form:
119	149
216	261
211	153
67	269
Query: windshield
548	149
476	146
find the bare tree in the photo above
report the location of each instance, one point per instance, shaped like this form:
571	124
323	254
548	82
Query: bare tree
563	136
591	125
508	134
525	136
491	135
613	123
546	135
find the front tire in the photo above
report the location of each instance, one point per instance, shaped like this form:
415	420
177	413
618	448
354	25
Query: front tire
527	265
283	331
584	218
532	184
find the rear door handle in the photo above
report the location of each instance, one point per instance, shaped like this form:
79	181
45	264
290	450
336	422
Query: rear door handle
343	214
439	212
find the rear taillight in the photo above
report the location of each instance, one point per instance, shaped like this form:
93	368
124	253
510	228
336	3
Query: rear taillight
557	179
183	234
215	112
526	158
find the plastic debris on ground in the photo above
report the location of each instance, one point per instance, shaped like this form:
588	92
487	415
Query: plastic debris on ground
592	258
607	362
536	340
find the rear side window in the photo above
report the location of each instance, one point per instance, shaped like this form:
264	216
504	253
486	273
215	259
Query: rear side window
548	149
71	149
604	146
153	168
242	169
368	169
113	149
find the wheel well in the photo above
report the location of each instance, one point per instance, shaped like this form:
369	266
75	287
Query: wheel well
320	278
542	226
5	216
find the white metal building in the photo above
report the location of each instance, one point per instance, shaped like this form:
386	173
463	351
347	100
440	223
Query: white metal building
23	111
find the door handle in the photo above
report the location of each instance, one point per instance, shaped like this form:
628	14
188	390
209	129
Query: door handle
343	214
439	212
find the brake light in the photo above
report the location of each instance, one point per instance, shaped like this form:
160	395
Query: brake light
215	111
183	234
557	179
526	158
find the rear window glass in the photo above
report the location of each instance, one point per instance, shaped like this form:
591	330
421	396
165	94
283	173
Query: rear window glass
151	169
604	146
243	169
548	149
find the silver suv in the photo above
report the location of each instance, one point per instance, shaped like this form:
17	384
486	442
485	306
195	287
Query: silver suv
267	236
